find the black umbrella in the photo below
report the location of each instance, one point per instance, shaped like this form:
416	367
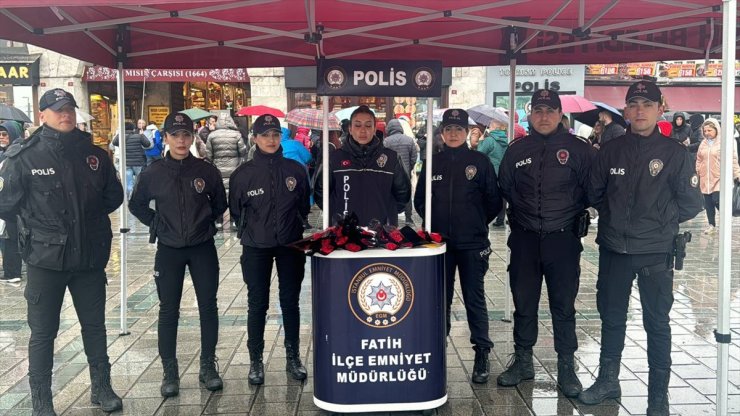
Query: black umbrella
8	112
590	118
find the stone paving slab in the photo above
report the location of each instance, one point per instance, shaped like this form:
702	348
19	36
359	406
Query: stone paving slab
137	370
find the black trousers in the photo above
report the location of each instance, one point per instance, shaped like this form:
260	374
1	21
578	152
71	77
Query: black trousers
12	262
257	273
472	266
169	274
614	286
44	295
556	256
711	205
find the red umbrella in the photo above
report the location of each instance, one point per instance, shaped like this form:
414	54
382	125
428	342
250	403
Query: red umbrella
576	104
258	110
312	118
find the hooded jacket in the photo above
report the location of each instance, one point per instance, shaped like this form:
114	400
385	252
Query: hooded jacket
708	161
696	136
14	136
270	197
400	143
494	145
153	134
545	179
225	148
643	187
189	196
136	144
292	149
63	188
303	136
683	131
368	180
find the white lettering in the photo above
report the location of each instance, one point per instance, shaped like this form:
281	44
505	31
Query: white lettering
357	77
616	171
401	78
255	192
43	172
521	163
436	177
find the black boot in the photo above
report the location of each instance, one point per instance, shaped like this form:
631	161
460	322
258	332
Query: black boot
41	396
568	382
101	392
293	363
521	368
606	385
209	374
256	369
658	392
481	366
171	380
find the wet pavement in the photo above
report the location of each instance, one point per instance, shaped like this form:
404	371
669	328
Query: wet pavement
137	370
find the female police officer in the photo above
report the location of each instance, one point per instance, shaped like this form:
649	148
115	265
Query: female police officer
189	197
270	196
465	200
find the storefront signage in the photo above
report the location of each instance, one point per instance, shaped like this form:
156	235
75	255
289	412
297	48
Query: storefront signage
600	69
157	114
103	74
379	78
19	73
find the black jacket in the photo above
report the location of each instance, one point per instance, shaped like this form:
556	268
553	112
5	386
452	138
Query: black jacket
683	131
465	197
270	195
62	188
545	179
643	188
189	196
135	145
368	180
611	132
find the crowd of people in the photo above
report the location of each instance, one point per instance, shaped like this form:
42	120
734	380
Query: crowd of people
57	190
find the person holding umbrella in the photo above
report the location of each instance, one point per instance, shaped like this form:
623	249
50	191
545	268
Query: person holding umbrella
612	130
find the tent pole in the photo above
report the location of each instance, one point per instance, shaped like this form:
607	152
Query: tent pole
143	98
325	162
123	212
512	113
428	166
722	333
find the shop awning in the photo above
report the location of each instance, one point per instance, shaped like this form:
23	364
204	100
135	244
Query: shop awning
103	74
692	99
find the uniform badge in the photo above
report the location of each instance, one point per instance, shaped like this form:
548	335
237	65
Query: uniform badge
563	155
179	118
345	163
93	162
655	166
2	183
290	182
694	182
199	184
382	160
470	172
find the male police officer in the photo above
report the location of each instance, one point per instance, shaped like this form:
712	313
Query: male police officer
643	185
61	189
465	199
544	176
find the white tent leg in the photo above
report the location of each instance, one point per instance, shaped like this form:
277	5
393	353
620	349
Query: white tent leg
512	112
722	334
325	163
123	211
428	166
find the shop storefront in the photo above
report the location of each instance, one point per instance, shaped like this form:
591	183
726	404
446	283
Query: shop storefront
19	78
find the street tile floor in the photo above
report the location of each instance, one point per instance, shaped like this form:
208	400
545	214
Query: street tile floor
137	369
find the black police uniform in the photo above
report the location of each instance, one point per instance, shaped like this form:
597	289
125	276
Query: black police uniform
465	199
270	196
643	188
189	196
62	188
545	179
368	180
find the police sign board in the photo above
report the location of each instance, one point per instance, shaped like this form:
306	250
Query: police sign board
379	78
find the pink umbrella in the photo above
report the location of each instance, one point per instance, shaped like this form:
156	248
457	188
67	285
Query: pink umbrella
258	110
576	104
311	118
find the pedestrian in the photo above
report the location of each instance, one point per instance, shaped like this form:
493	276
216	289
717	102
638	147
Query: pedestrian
494	145
155	152
696	121
136	144
62	189
405	147
708	159
595	136
544	179
365	177
612	129
643	186
188	196
10	134
270	197
681	129
205	131
227	150
465	199
475	135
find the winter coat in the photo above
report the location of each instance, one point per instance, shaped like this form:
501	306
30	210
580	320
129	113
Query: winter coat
708	161
225	148
303	136
14	135
400	143
696	136
136	144
683	131
292	149
611	131
153	134
494	146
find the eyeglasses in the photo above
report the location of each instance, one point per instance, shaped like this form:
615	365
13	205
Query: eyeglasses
4	134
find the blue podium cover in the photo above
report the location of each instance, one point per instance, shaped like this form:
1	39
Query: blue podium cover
379	330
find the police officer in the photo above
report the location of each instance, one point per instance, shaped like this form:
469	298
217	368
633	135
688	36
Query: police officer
544	177
270	196
643	185
189	196
465	199
366	178
62	188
